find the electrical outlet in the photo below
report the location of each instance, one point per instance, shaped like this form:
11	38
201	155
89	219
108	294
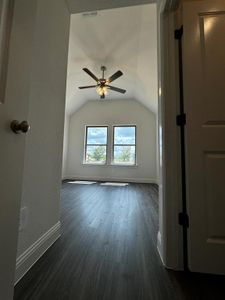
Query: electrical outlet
23	218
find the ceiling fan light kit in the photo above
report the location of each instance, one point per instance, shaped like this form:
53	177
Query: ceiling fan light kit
102	85
102	90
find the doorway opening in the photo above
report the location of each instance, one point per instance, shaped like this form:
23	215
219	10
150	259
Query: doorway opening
110	164
110	161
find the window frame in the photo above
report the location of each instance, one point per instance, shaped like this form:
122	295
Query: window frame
86	144
113	145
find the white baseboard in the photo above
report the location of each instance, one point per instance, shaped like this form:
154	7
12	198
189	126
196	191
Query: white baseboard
97	178
27	259
175	266
159	246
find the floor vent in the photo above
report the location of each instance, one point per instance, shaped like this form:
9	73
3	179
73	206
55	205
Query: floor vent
115	183
81	182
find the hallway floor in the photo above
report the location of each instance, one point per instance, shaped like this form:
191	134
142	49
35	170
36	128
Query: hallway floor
108	251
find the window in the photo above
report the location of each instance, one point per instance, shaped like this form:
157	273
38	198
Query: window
124	145
96	144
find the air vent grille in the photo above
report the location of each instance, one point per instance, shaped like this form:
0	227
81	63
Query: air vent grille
90	14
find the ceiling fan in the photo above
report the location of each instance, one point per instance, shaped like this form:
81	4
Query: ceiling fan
102	85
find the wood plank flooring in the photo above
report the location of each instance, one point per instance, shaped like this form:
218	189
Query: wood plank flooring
107	251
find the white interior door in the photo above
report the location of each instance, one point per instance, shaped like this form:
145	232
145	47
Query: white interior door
14	106
204	91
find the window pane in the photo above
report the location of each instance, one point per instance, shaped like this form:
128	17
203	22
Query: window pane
97	135
124	135
96	154
124	155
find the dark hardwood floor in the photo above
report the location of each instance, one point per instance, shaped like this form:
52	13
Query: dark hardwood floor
107	251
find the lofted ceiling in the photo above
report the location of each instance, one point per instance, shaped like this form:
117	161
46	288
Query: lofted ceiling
121	39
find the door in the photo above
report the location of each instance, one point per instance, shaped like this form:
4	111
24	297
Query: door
204	96
14	105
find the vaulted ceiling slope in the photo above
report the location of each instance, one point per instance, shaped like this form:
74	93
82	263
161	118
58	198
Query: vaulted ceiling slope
121	39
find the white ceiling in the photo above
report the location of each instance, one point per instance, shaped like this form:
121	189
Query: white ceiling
121	39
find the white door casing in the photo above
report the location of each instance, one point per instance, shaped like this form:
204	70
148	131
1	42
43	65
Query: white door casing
204	96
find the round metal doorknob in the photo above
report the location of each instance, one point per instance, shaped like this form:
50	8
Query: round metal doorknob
18	127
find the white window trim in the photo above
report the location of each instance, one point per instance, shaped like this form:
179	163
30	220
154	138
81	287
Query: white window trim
85	146
112	146
109	147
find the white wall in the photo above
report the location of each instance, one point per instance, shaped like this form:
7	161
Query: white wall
43	156
113	112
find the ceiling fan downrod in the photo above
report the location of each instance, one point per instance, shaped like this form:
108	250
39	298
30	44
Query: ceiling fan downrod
103	68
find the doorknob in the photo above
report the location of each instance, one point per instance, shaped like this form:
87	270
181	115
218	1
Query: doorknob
18	127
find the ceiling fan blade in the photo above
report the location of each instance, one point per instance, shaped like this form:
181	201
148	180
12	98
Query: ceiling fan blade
115	76
116	89
90	74
87	87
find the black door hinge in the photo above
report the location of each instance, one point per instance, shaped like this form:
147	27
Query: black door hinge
178	33
181	120
183	219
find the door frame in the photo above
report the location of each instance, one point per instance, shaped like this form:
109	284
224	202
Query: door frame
170	239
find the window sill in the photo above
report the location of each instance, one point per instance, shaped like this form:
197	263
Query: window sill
109	165
124	165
